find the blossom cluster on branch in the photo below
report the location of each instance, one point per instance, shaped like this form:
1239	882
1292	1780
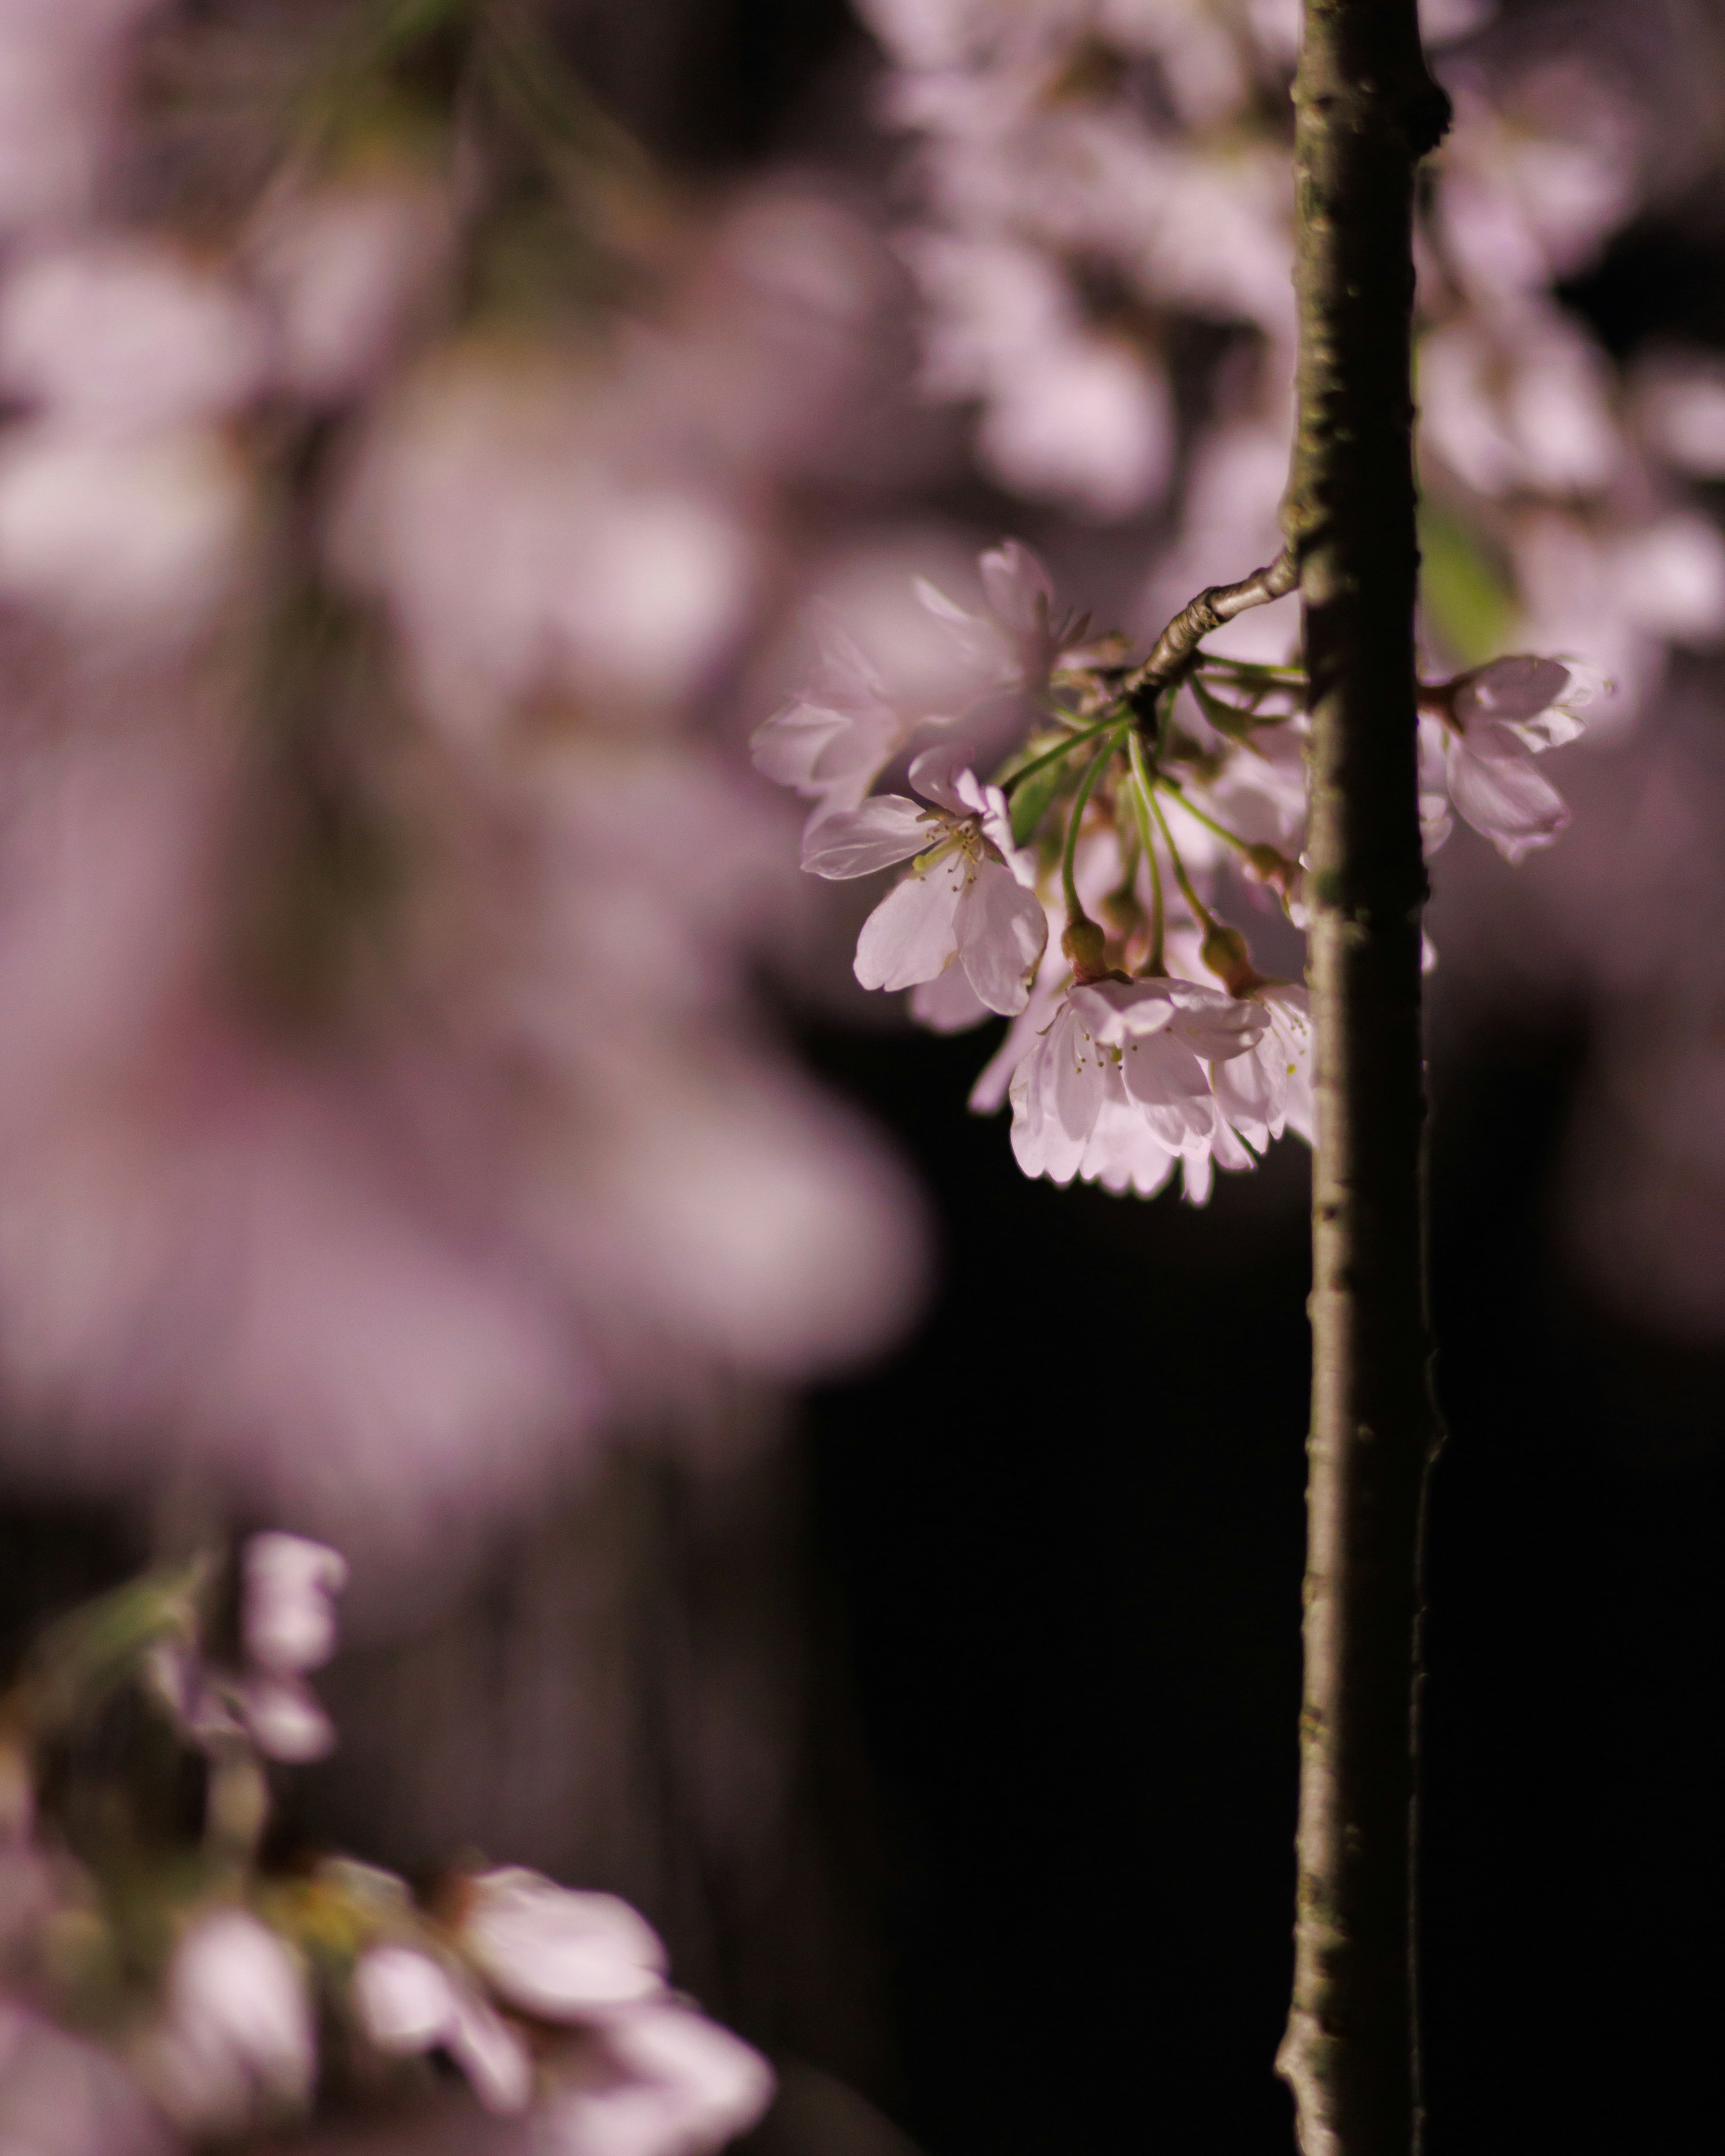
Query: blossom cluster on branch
171	1976
1144	798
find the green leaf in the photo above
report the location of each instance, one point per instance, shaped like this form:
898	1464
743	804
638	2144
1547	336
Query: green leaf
1466	596
1030	801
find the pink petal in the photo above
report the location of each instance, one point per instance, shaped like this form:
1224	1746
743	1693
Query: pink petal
1507	801
947	1003
913	932
887	828
941	774
1518	687
1002	930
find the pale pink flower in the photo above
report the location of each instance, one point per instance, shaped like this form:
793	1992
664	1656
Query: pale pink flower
1115	1089
656	2080
837	734
288	1615
116	337
1268	1089
965	900
1016	642
238	2038
555	1952
59	2096
1485	725
285	1719
408	2002
343	269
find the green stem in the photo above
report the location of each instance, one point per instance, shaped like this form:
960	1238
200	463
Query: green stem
1199	816
1054	755
1142	789
1080	802
1200	911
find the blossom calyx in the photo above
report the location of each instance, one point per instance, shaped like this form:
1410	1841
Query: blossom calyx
1085	942
1224	951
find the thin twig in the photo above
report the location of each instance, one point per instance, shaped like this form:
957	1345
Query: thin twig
1175	651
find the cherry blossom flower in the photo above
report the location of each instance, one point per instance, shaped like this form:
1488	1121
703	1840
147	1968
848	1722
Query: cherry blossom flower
1115	1089
408	2002
62	2096
555	1952
287	1626
1018	639
1484	725
659	2080
643	2074
289	1615
238	2038
1268	1089
965	900
835	737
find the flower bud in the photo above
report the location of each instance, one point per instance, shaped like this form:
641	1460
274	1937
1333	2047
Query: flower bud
1224	951
1084	945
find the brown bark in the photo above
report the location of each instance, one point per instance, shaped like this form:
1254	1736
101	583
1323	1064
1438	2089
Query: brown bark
1366	112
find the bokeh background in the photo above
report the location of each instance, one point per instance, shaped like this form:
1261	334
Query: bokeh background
435	1116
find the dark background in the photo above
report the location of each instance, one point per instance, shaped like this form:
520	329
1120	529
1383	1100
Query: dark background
1068	1530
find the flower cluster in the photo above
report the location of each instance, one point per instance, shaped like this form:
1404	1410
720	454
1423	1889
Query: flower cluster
202	1991
1138	803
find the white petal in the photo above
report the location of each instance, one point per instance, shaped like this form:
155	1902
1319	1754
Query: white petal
913	932
1124	1153
1168	1083
555	1953
887	828
786	747
1018	588
405	2002
947	1003
659	2080
1507	801
1112	1009
285	1719
1249	1094
943	608
943	774
238	2021
1518	687
1002	930
288	1611
495	2062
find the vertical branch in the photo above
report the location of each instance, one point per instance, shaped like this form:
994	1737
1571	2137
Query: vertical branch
1366	112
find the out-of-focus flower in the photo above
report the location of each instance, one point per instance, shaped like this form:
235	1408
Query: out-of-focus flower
522	557
60	2097
237	2043
114	337
656	2081
555	1952
964	902
287	1626
835	737
143	536
1486	724
343	268
59	70
1679	399
408	2002
1019	638
288	1613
